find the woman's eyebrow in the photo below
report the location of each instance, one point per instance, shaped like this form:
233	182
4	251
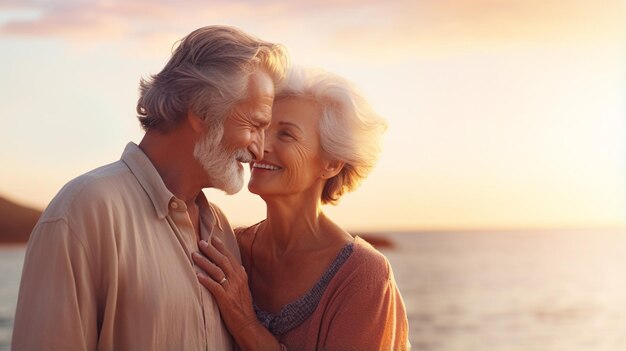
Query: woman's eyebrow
290	124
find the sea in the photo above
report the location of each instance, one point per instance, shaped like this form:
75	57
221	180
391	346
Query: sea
483	291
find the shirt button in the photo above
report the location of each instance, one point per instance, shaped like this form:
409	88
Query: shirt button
174	205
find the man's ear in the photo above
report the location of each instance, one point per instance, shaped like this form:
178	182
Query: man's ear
332	168
196	123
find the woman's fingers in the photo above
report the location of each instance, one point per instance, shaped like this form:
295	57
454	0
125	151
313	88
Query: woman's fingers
221	248
233	295
213	271
219	259
214	287
207	281
219	262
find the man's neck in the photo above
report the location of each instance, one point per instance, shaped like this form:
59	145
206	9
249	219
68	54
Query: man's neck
172	155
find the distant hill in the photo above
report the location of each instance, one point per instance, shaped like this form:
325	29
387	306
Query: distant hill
377	240
16	221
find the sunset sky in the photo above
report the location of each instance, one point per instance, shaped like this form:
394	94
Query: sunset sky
502	113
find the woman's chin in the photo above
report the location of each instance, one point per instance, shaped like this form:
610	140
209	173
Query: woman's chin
257	189
253	189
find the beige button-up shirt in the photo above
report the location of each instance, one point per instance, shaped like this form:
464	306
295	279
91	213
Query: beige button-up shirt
108	267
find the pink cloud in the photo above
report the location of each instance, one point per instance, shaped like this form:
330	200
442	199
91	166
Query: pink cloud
103	19
113	18
366	27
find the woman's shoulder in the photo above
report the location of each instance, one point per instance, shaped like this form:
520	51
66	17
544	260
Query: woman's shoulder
367	253
245	236
367	263
246	231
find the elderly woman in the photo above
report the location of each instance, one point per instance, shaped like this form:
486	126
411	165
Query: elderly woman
307	284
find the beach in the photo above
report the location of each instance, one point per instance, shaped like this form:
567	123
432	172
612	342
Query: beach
483	291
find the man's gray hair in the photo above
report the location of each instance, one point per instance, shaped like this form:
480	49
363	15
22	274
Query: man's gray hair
350	130
207	74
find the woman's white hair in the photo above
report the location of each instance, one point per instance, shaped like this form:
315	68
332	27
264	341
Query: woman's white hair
207	74
350	130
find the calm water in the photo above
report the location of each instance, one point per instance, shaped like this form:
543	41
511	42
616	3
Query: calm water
497	291
11	259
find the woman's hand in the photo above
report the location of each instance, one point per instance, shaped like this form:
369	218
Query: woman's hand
227	280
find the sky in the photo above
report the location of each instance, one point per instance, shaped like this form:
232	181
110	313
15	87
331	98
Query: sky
503	114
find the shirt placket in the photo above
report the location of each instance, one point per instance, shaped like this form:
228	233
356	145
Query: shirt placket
186	235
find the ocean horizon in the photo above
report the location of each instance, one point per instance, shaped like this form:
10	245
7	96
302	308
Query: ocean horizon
540	290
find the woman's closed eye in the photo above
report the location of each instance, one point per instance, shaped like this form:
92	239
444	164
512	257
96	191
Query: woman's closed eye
286	135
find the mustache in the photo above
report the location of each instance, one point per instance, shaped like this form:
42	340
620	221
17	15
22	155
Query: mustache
243	156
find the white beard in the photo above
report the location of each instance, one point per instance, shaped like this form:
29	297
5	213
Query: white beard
222	167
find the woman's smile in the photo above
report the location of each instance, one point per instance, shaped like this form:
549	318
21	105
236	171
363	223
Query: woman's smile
265	166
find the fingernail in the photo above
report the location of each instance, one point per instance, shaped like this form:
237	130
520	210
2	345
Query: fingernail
203	243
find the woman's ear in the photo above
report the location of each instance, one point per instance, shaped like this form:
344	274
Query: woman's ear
196	123
332	168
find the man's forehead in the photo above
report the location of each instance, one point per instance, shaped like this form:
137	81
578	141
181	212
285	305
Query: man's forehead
260	85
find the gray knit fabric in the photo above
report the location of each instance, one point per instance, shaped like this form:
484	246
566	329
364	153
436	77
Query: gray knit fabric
296	312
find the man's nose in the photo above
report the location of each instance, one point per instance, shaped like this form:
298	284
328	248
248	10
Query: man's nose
258	145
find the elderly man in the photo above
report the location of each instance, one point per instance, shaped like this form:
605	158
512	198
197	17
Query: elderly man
108	265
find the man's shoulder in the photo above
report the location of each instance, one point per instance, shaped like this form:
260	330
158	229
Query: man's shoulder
88	189
85	203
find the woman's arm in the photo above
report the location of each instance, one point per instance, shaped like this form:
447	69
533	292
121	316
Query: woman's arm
228	282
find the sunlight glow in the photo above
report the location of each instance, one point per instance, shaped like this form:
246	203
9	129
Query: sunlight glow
502	114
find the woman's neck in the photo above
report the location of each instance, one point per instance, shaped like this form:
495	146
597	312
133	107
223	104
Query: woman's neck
294	224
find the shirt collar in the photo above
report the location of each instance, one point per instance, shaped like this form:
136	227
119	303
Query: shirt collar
148	177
